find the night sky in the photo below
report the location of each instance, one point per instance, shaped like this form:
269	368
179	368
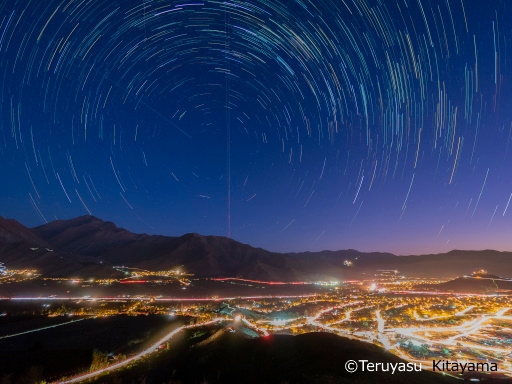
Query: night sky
289	125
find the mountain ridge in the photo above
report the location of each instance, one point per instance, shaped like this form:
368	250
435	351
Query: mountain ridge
88	245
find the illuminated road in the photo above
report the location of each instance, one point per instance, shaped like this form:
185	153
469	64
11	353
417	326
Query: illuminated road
464	311
114	298
261	281
145	352
464	329
40	329
348	314
380	329
261	331
392	329
315	322
460	313
386	335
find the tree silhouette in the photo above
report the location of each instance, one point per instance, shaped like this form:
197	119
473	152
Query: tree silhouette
99	360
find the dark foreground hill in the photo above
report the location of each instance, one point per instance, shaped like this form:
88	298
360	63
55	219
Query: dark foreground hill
472	284
89	247
224	357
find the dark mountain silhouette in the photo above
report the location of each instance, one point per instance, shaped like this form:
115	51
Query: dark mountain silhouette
480	283
88	246
310	358
21	247
12	232
86	235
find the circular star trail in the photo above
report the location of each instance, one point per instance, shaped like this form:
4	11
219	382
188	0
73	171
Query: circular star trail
295	125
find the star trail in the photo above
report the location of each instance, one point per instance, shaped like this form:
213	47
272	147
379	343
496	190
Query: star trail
288	125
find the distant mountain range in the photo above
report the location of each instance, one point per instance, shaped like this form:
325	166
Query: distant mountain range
88	246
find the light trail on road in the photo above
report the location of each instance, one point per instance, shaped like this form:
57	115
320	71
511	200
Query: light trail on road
465	329
263	282
40	329
255	327
381	324
114	298
145	352
389	328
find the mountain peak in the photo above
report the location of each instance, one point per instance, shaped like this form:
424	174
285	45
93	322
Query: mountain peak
12	231
77	220
86	234
80	221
